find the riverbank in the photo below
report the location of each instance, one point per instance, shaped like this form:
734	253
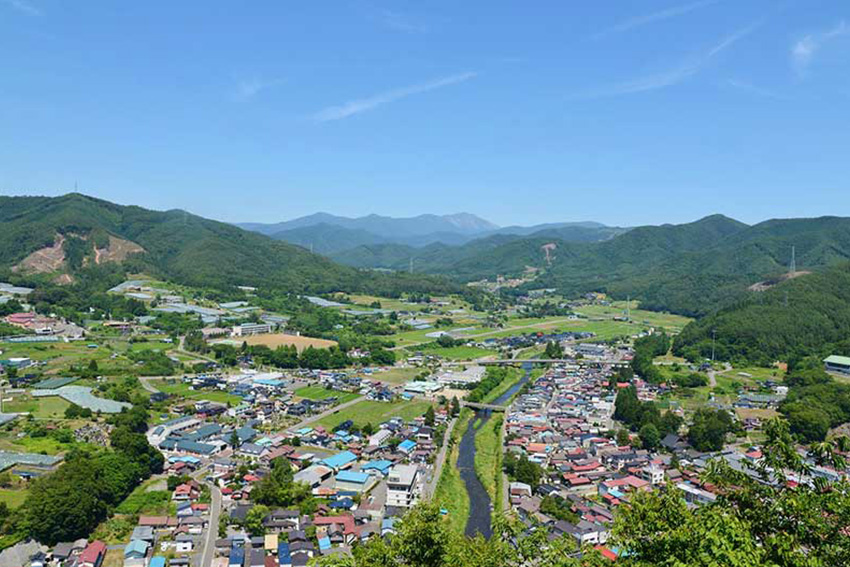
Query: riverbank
450	493
472	478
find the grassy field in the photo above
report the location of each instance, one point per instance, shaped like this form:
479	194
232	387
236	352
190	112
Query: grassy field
179	388
320	393
488	457
369	411
143	500
514	375
603	329
13	498
50	407
47	445
458	352
757	374
672	323
450	493
396	375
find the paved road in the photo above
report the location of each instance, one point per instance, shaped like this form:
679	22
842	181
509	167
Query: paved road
212	530
712	375
431	486
325	413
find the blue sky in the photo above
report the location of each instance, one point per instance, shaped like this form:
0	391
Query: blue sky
623	112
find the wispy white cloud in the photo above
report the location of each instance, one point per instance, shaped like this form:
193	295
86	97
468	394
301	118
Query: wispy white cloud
247	89
755	90
23	6
401	22
674	75
353	107
804	49
646	19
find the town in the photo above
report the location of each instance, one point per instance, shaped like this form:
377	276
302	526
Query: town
264	466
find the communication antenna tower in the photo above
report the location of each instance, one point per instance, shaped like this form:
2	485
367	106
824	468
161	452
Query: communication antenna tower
793	269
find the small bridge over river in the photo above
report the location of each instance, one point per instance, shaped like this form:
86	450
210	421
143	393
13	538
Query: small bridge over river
477	406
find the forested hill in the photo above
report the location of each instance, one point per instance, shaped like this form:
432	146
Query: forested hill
58	239
808	315
691	268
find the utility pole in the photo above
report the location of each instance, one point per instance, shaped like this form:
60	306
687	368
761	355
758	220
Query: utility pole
713	342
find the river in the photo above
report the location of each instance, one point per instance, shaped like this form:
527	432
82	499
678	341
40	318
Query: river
479	500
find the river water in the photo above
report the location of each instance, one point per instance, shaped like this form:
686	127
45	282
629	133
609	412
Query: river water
479	500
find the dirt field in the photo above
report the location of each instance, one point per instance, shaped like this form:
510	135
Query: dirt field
280	339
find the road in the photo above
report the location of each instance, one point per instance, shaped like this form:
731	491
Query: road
327	412
145	381
712	375
431	486
212	529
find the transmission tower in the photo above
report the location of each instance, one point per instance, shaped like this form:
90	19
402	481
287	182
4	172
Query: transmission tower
793	269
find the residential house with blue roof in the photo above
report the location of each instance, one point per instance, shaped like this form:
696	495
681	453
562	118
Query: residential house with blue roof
407	446
340	460
135	553
350	481
382	466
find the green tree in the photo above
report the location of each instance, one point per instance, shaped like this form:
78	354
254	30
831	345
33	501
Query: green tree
649	437
709	428
554	350
254	520
430	418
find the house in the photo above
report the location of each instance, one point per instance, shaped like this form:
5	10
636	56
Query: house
158	522
257	558
313	475
157	561
837	363
349	481
284	558
380	437
186	491
401	484
407	446
184	543
696	495
340	461
144	533
135	553
237	556
92	555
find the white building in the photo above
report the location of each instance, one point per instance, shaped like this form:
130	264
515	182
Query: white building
401	485
251	329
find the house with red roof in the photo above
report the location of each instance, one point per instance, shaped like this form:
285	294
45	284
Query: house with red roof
92	555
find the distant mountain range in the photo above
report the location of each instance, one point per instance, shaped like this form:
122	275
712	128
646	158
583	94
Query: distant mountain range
691	268
62	239
331	235
695	268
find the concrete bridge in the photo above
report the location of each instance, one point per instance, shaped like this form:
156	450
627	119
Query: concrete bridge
478	406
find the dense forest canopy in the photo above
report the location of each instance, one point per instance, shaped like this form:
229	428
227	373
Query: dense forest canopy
178	246
808	315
